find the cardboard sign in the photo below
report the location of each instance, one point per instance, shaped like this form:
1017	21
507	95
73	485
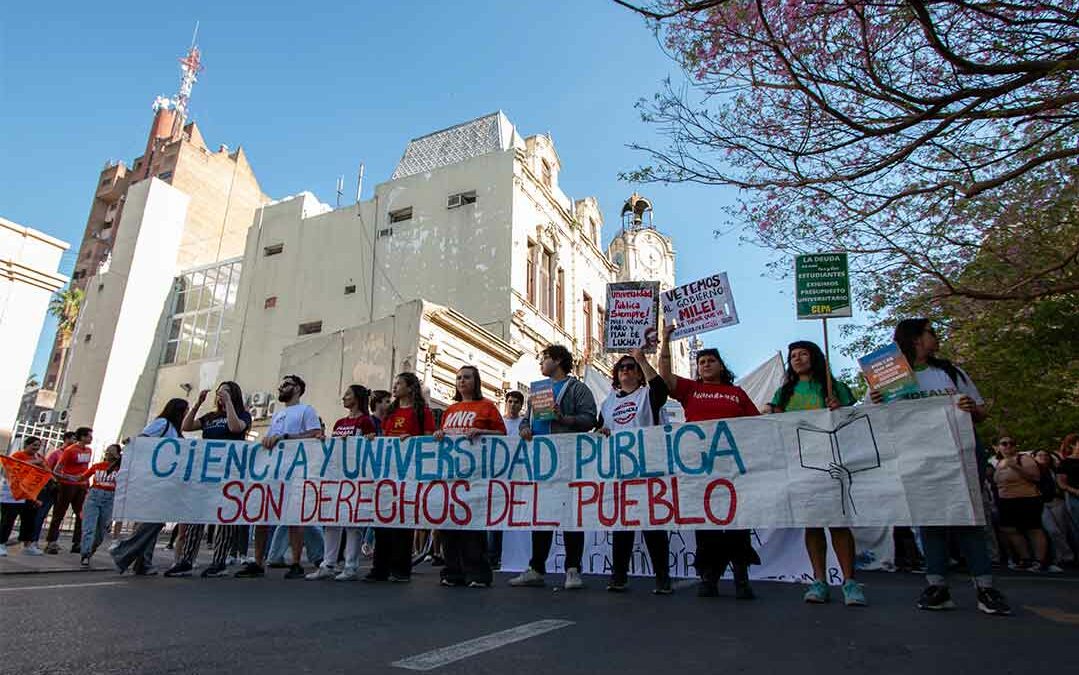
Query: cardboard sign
700	306
541	397
822	285
888	371
632	316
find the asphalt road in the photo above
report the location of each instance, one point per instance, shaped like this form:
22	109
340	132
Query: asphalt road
106	623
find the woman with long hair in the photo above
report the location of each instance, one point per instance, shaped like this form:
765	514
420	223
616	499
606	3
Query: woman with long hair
409	415
713	396
228	421
357	422
637	397
97	511
25	510
938	376
137	550
805	387
1017	476
471	415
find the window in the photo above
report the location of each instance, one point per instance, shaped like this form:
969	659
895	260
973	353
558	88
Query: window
601	329
106	182
401	215
586	299
56	357
545	173
593	230
310	328
273	249
165	175
385	232
560	298
100	287
270	303
545	266
202	302
350	289
461	199
530	281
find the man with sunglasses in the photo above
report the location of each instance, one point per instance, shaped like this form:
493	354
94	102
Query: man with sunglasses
294	421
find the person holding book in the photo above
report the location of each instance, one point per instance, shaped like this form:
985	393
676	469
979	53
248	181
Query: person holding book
937	376
713	396
638	396
571	409
806	387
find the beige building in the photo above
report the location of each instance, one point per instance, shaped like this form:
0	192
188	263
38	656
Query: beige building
28	277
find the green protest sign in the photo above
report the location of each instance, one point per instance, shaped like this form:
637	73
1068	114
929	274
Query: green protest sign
822	285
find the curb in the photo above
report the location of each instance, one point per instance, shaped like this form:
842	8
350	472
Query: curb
54	571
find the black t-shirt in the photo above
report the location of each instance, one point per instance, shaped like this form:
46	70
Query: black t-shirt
215	426
1070	469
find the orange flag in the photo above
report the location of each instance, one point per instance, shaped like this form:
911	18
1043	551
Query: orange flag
25	480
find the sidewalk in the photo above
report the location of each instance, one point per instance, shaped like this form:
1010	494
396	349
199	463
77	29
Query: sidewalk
17	562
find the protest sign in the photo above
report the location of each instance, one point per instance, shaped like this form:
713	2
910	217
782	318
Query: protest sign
738	473
24	480
700	306
632	316
886	370
541	398
822	285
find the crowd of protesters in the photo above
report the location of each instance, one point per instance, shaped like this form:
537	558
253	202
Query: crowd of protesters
1033	499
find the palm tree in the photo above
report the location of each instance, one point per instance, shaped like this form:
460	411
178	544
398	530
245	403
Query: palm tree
65	306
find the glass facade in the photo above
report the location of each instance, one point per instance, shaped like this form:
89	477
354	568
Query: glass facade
202	302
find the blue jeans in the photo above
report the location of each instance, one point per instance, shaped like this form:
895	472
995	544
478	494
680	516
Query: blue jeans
96	517
972	543
312	540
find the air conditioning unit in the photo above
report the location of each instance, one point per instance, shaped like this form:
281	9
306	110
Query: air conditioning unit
259	398
257	412
271	408
62	417
453	201
44	417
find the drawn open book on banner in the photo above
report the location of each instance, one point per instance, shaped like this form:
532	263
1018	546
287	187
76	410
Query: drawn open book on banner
848	449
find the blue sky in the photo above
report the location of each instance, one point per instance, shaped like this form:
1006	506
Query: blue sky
312	90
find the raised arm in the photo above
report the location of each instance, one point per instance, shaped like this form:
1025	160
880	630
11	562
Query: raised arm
191	420
665	359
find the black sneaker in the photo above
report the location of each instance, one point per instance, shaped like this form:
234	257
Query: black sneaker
250	570
84	561
180	569
75	548
214	571
707	589
936	598
438	561
991	601
617	585
295	572
663	587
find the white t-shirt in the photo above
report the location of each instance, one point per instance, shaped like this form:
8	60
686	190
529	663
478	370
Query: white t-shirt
294	420
629	411
160	428
935	382
513	425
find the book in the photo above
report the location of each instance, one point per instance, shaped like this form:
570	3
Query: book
886	370
541	397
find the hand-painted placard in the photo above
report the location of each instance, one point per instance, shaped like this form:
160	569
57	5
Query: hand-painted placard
822	285
700	306
632	316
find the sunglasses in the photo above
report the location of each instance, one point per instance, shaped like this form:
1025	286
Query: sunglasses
1008	443
626	366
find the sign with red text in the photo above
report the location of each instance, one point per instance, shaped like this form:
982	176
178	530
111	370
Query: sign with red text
632	316
700	306
905	463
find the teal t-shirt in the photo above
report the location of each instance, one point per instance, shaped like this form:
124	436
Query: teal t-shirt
810	395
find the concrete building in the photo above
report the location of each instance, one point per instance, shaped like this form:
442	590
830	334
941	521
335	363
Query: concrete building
28	277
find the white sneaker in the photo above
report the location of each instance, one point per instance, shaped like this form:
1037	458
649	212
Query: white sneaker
573	580
320	573
3	551
348	574
529	577
32	549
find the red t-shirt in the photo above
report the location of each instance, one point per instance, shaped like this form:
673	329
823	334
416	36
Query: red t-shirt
464	416
103	478
704	401
402	422
74	462
354	426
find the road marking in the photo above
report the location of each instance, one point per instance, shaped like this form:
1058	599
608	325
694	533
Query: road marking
1054	614
462	650
51	586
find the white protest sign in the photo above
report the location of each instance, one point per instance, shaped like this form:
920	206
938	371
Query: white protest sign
910	463
700	306
632	316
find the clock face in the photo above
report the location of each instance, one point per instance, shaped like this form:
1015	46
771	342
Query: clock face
652	257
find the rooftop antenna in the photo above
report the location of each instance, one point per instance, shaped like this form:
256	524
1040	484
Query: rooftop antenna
340	189
190	67
359	184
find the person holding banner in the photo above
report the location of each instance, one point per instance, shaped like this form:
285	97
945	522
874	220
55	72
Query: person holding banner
358	422
638	397
470	415
939	377
97	512
408	415
805	387
137	550
294	421
574	411
713	396
23	510
228	421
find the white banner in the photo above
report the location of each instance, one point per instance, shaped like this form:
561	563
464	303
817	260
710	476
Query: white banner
909	462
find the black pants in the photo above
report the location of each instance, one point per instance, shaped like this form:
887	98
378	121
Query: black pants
67	495
465	552
393	552
718	548
659	547
541	548
26	512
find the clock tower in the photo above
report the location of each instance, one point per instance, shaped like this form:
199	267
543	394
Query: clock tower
639	250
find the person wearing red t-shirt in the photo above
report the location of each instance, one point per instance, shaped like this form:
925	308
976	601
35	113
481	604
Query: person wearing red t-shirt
471	415
713	396
25	510
73	462
97	513
358	422
409	415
